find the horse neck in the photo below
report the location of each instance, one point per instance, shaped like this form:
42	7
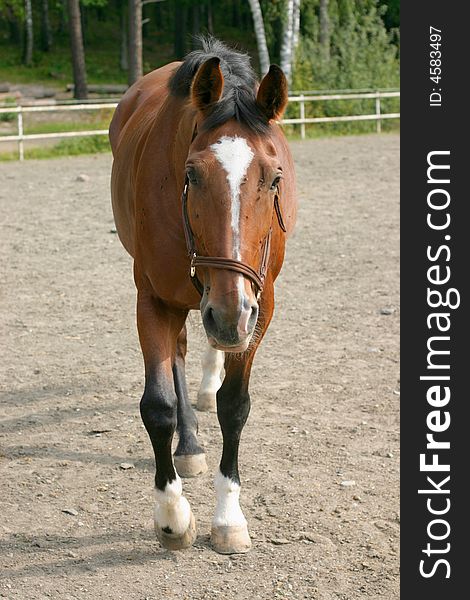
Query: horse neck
185	127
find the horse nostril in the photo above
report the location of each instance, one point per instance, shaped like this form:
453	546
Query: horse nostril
253	316
209	320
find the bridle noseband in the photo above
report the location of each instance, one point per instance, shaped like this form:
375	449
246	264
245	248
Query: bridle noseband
217	262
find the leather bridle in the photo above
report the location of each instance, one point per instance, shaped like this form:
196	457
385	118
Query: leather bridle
218	262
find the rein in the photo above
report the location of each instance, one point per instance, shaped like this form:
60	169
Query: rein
217	262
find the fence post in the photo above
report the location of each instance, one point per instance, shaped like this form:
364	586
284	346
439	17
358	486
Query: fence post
302	116
377	112
20	134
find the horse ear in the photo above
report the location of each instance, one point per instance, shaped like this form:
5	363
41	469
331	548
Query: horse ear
272	93
207	84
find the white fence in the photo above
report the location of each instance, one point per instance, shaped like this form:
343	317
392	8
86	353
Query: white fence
377	116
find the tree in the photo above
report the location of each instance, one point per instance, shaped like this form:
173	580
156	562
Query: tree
28	50
123	50
46	32
181	13
324	29
135	41
260	36
296	25
287	41
78	54
210	23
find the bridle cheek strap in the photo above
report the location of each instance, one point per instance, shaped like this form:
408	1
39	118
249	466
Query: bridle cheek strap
217	262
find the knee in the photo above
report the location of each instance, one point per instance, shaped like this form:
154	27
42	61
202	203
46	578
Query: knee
158	410
233	405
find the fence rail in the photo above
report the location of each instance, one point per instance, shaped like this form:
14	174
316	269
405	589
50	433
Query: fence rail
302	120
376	116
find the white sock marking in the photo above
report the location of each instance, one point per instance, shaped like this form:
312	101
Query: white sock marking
228	511
172	509
212	365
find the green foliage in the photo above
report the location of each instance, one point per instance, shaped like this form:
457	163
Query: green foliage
7	117
391	15
97	3
361	51
13	8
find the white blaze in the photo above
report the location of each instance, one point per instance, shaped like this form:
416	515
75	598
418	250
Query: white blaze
235	156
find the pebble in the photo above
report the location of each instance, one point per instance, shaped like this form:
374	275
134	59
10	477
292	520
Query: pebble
70	511
347	483
83	177
279	541
387	311
126	465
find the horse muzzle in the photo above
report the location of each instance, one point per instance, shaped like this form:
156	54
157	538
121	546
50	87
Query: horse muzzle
228	328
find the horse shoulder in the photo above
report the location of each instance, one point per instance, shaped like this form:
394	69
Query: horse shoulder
128	132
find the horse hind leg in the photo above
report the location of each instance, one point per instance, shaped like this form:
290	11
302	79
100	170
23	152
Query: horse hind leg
212	365
189	457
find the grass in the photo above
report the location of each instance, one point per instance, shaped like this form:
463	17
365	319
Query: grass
321	130
71	147
66	126
58	127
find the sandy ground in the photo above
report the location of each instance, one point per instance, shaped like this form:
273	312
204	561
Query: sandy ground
319	456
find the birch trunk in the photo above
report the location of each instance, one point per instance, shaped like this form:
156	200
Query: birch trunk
296	26
260	36
324	29
287	42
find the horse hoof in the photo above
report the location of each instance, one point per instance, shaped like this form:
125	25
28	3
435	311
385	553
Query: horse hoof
173	541
190	465
206	402
230	539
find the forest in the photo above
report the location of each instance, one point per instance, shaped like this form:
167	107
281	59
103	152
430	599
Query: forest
320	44
92	49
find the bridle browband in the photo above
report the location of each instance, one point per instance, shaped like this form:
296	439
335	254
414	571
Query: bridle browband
218	262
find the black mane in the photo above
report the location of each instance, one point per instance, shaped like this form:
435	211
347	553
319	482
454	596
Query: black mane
238	99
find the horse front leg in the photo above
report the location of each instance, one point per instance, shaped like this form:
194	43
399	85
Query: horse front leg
229	533
158	328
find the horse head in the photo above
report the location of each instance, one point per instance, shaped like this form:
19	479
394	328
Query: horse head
233	181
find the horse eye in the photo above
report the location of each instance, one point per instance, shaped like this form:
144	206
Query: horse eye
191	174
276	181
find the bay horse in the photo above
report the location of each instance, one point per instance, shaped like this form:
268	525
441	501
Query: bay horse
203	195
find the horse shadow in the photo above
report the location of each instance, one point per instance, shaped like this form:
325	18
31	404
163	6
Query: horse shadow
73	559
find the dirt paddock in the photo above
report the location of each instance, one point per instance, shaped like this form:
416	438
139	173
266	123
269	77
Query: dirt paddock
319	455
